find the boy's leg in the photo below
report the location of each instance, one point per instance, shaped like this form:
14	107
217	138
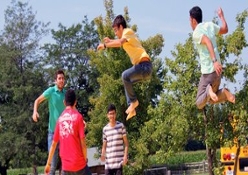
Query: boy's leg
55	156
87	170
84	171
109	172
207	89
131	108
229	96
212	94
132	75
129	77
131	114
119	171
224	95
202	93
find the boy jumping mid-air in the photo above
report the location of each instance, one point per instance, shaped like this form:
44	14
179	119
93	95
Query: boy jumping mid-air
142	66
204	36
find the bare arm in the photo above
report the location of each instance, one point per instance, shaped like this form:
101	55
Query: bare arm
224	27
125	158
37	102
104	145
50	156
206	41
84	148
111	43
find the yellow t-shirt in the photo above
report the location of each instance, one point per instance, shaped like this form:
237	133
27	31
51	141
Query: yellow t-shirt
133	46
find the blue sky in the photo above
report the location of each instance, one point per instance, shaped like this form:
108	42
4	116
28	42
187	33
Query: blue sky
167	17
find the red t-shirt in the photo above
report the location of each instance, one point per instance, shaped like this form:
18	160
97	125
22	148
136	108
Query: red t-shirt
68	132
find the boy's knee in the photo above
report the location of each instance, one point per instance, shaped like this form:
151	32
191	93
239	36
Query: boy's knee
124	76
200	106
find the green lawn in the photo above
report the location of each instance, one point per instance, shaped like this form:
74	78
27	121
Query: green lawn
24	171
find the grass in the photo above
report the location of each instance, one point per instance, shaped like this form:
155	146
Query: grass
24	171
183	157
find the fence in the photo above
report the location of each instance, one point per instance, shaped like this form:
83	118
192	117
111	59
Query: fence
184	169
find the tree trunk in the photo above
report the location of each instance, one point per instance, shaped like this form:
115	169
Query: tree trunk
209	151
35	171
210	160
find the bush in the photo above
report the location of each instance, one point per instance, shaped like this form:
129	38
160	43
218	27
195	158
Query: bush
187	157
24	171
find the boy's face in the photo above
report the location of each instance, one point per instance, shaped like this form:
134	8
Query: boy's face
118	31
192	23
60	81
111	116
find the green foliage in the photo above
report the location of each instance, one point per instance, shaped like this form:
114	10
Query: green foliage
69	53
187	157
110	64
166	117
40	170
20	82
236	43
175	119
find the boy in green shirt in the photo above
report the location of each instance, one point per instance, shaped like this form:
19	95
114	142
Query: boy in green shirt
55	96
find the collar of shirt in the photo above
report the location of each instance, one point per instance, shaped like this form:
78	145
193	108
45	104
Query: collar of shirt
57	89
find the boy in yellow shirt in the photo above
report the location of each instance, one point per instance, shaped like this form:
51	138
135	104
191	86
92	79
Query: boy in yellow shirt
142	66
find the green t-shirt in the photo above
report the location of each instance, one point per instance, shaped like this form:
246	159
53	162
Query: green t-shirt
210	30
55	104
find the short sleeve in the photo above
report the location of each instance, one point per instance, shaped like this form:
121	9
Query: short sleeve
47	93
104	137
197	36
216	28
128	34
81	126
124	131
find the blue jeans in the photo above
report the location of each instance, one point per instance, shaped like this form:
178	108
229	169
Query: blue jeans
137	73
84	171
55	156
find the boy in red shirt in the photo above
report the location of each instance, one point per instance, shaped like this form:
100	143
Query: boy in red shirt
69	132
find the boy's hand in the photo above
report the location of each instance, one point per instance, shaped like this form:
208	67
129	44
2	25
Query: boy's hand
100	47
125	160
106	40
102	158
220	13
35	116
47	169
218	68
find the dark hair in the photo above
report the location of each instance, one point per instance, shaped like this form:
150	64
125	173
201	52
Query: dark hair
57	73
70	97
196	13
119	20
111	107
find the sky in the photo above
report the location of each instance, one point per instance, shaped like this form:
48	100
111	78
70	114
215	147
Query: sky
167	17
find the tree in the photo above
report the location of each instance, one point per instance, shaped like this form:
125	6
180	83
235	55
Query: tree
69	52
110	64
236	44
20	81
176	118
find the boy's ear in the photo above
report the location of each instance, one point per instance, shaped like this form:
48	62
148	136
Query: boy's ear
75	104
64	102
